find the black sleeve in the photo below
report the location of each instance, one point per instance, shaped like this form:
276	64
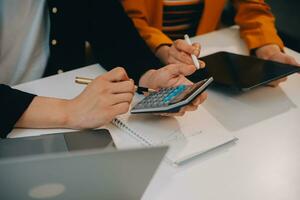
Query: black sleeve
115	40
13	104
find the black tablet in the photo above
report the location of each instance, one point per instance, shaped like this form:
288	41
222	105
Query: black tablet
241	72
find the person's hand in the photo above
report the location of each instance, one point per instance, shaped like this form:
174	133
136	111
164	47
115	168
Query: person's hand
272	52
179	53
103	99
171	76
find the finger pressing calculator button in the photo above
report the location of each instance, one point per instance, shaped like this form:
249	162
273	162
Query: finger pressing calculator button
182	87
167	99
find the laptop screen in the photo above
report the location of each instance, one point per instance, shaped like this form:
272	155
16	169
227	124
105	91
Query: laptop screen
54	143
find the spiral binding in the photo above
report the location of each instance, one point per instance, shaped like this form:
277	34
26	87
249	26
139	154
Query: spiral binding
118	123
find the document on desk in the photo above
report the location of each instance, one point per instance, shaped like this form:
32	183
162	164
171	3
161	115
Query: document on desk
188	136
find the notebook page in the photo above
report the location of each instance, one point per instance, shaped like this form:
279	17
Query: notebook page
190	135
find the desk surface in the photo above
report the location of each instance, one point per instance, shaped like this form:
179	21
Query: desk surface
265	161
263	164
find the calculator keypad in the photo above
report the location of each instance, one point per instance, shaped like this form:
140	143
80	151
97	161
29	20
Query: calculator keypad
161	98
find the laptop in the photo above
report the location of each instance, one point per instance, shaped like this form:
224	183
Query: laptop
241	73
76	173
55	143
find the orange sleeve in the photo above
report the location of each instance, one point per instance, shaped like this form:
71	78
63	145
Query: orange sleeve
257	23
136	10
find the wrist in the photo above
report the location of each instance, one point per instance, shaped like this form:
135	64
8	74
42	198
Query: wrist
267	51
73	114
67	114
63	114
145	80
162	52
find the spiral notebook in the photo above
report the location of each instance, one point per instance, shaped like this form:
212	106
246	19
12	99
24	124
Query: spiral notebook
188	136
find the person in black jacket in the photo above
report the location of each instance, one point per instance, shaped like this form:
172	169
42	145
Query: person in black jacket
114	42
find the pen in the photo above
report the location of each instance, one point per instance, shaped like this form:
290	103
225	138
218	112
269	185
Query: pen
83	80
194	58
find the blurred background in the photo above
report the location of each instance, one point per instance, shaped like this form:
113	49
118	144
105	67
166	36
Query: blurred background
287	13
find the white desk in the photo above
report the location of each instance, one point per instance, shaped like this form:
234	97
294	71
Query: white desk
263	164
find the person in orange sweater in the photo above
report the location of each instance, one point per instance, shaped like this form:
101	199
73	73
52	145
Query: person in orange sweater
160	22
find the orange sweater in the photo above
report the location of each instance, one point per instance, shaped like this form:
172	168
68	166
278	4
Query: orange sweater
253	16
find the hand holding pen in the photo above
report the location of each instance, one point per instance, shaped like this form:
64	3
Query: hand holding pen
182	51
102	100
85	81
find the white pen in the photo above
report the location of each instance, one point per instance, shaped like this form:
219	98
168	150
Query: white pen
194	58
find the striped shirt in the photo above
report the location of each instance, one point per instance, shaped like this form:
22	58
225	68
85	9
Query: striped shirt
181	17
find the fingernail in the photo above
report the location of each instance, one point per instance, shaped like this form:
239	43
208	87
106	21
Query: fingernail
196	52
202	64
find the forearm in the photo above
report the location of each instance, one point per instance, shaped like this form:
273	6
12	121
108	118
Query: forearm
267	51
162	53
45	112
257	24
137	11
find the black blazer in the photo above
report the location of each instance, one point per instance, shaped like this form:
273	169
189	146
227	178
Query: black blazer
113	38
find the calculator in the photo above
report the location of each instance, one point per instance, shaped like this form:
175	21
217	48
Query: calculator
170	100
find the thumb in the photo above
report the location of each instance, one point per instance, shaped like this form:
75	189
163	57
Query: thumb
197	49
181	69
117	74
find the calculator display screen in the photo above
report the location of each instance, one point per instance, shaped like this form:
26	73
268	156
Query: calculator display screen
187	92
